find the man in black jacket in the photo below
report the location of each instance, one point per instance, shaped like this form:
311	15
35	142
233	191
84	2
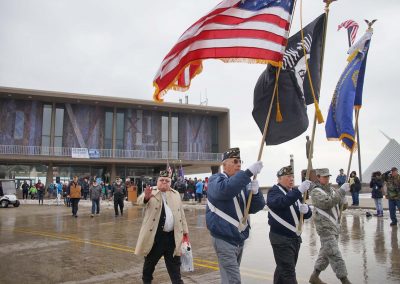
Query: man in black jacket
118	191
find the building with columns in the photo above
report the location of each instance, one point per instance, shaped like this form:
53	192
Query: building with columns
47	135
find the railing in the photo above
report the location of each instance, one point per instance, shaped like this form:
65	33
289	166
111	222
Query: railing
16	150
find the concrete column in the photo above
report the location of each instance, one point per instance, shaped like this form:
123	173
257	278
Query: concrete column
113	173
49	176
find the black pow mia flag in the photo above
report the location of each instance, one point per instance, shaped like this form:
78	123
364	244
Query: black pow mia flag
294	91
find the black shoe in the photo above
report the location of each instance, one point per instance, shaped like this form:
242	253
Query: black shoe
393	224
76	216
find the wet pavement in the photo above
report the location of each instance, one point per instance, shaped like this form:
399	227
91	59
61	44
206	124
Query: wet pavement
44	244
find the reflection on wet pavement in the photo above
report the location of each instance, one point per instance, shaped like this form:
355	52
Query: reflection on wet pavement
44	244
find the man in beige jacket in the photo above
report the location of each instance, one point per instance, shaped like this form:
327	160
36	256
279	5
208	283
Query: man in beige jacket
163	227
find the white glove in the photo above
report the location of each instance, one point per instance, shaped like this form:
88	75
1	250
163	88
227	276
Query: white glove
303	208
304	186
255	168
253	186
345	187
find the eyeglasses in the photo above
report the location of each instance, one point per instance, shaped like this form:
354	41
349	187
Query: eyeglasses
237	161
164	180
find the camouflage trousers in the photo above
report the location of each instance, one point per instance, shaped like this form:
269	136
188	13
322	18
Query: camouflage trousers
329	253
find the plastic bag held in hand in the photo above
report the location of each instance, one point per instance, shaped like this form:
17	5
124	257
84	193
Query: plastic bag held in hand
187	255
253	186
255	168
345	187
303	208
304	186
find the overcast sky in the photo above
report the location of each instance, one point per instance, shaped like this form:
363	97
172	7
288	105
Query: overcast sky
114	48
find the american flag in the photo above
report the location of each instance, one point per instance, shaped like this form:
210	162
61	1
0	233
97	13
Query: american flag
352	28
253	31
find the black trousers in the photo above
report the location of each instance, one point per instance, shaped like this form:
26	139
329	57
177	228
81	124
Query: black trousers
74	204
164	245
286	251
119	202
24	195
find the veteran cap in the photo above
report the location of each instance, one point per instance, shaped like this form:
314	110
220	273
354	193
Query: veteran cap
323	172
285	171
164	174
231	153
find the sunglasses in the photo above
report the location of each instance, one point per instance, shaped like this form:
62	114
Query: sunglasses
237	161
164	180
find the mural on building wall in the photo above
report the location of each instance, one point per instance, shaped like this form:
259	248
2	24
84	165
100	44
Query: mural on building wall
142	130
195	133
83	126
20	122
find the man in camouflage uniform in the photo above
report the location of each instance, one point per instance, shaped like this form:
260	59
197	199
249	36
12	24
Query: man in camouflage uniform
392	179
327	202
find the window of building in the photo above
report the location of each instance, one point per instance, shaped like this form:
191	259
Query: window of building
108	131
46	125
120	130
19	125
175	133
59	126
164	133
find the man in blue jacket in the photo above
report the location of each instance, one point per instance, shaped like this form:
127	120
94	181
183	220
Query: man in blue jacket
227	197
285	205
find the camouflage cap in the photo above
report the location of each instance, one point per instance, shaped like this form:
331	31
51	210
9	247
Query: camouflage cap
164	174
285	171
323	172
394	169
231	153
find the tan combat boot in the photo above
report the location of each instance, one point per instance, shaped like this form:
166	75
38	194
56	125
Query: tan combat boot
345	280
314	279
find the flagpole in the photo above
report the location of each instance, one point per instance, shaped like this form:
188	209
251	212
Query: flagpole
311	149
358	132
246	213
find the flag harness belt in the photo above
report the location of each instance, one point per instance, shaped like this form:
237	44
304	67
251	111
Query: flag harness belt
283	222
334	219
241	227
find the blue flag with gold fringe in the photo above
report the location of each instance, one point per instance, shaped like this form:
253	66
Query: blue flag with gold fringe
348	95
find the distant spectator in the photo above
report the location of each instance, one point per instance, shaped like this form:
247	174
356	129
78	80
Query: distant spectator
25	190
355	188
85	188
118	191
377	192
40	190
95	192
33	192
205	188
74	193
341	178
199	190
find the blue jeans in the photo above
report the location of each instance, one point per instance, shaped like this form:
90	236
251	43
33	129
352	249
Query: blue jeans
378	204
354	196
393	203
95	206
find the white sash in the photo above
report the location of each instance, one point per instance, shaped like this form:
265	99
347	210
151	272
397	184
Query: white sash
241	227
283	222
335	210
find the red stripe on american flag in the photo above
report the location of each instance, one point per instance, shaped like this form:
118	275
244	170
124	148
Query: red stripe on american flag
220	53
223	34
